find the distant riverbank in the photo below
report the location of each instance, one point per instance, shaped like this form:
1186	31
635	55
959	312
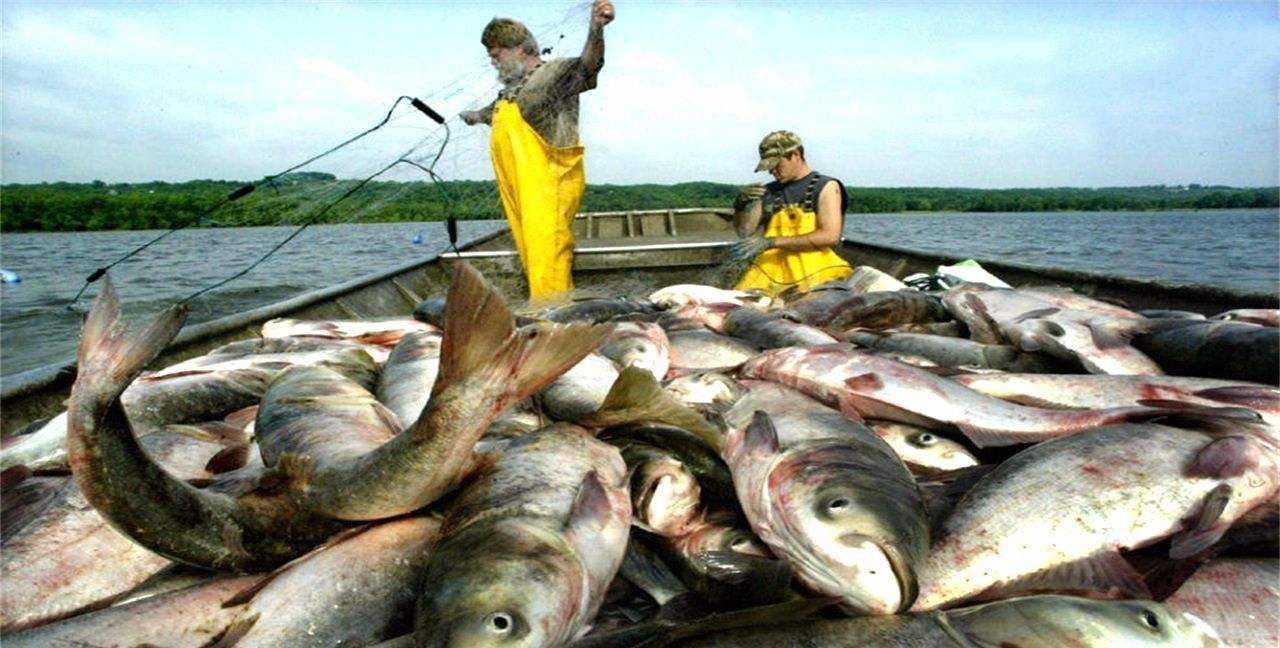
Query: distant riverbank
304	197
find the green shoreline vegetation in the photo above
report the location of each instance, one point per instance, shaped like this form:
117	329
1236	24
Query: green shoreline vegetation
298	197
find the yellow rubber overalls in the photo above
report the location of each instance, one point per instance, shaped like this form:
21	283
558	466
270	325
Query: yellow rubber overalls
776	270
541	187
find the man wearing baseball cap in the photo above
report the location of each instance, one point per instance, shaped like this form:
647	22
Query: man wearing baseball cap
537	157
789	226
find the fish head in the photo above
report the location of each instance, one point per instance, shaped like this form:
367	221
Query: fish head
706	388
665	494
846	536
512	584
923	448
722	533
636	351
1044	621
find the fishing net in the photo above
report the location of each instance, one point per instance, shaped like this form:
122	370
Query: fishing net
403	167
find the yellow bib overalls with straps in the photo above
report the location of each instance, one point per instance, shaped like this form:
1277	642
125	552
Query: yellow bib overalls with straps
541	187
776	270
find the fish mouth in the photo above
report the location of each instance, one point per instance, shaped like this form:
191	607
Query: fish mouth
876	596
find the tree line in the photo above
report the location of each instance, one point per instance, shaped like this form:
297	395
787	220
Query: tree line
302	197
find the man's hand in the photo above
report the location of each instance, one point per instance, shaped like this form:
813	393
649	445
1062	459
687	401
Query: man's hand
749	194
470	117
748	249
601	13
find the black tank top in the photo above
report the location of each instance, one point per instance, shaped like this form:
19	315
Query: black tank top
802	192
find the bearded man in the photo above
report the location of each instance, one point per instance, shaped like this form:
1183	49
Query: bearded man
536	153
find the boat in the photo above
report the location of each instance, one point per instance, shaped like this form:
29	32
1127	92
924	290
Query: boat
617	253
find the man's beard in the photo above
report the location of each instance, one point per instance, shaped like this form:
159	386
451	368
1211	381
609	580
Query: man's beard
510	72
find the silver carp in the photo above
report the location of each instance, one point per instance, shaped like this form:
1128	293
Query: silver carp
384	332
703	350
1076	391
923	451
321	601
862	384
486	366
1215	349
191	617
409	374
772	330
1056	515
529	547
828	496
580	390
1263	316
1028	622
642	344
674	297
951	351
1099	342
1237	596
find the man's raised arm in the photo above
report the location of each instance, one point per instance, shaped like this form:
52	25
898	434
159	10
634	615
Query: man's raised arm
593	51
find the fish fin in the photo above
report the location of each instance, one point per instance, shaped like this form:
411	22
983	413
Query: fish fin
1106	572
110	353
637	396
684	606
242	417
477	322
389	418
864	382
591	507
848	406
481	343
1243	395
946	372
987	438
760	436
1208	528
1212	420
151	377
13	475
1036	314
234	632
1227	457
789	315
291	472
1116	334
212	431
736	568
228	459
989	331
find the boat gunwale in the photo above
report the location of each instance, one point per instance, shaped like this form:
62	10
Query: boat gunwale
25	382
1205	290
32	380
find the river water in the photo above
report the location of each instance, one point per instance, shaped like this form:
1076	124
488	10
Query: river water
1236	249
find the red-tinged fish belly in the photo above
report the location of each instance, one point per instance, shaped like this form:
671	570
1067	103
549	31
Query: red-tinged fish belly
1240	598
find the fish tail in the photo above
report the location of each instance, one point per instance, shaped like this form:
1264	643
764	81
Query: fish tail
637	396
109	355
481	342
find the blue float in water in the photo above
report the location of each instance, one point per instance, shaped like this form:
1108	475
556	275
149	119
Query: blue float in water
10	277
418	239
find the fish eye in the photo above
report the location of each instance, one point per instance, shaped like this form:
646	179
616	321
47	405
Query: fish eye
500	623
1150	618
925	439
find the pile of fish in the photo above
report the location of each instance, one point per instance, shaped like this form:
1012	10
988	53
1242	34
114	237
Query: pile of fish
864	464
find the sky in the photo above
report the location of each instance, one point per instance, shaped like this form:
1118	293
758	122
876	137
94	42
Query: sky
990	95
